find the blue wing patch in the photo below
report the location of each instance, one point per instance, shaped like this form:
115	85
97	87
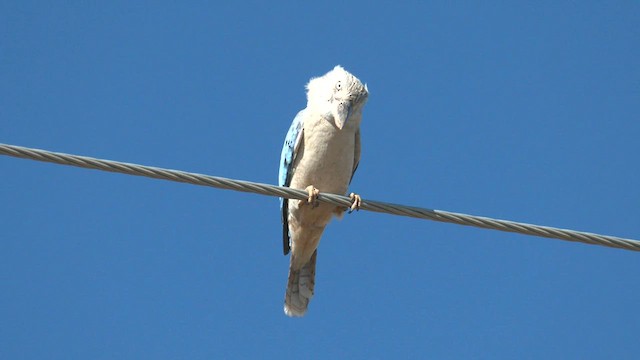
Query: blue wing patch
289	151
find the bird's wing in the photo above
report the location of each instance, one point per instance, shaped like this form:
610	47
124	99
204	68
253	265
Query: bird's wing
356	155
292	143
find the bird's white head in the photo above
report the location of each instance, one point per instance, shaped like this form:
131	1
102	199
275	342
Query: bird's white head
338	95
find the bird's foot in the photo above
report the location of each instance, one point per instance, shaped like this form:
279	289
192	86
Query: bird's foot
356	201
313	196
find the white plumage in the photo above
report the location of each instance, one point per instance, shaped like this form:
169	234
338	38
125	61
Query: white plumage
322	150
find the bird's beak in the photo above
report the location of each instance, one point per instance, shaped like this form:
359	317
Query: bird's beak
342	113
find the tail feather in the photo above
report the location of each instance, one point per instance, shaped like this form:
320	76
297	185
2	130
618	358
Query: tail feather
300	287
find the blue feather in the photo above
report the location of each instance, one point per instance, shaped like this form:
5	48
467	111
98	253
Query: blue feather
287	158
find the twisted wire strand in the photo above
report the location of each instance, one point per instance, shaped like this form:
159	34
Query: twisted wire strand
339	200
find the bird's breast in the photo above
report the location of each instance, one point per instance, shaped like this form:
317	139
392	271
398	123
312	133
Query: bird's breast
327	157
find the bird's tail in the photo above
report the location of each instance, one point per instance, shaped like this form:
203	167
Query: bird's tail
300	287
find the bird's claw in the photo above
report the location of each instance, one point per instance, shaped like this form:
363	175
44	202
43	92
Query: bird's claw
313	195
356	201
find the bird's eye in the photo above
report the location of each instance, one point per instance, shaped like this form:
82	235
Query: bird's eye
338	85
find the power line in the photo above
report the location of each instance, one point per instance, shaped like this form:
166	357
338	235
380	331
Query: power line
339	200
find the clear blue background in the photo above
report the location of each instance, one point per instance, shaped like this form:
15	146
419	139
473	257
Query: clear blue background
522	111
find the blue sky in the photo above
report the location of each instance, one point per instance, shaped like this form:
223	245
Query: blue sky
515	110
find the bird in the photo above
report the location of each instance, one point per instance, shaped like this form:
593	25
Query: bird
321	152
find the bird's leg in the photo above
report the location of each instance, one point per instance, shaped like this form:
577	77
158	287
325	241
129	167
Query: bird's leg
313	196
356	201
